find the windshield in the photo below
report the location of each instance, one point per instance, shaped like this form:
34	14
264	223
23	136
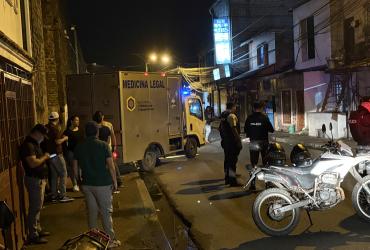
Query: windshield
345	149
195	108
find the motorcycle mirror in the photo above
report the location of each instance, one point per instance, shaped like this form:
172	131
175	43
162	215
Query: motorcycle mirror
323	128
331	126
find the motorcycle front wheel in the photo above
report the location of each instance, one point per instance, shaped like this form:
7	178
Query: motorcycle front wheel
270	222
361	200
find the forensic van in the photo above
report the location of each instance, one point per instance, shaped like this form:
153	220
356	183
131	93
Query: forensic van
151	114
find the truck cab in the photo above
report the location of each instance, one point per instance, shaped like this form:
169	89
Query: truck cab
195	125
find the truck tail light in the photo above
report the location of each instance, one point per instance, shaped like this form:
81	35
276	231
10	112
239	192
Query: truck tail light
146	74
163	74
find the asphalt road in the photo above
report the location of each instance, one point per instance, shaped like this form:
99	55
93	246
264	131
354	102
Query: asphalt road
220	216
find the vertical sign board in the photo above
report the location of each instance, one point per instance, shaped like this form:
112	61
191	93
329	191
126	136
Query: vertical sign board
221	31
216	74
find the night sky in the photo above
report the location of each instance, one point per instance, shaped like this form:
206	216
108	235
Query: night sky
111	31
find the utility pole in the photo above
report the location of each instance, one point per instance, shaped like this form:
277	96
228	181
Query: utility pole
73	28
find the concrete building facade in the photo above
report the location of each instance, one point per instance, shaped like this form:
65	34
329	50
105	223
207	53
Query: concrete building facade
262	53
36	53
332	51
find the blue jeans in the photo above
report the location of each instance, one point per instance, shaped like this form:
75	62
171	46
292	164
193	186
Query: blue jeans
58	171
36	191
99	202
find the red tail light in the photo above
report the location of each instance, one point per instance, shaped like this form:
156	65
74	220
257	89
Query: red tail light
115	155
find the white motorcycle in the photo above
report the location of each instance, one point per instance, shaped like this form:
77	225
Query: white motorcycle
314	187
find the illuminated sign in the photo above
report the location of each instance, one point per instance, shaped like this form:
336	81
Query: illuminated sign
221	31
216	74
227	71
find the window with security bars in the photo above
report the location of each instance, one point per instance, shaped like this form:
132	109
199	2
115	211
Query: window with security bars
307	37
337	90
4	149
16	118
262	54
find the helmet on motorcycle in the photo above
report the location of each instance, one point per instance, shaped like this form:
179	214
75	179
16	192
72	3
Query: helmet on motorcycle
275	155
300	156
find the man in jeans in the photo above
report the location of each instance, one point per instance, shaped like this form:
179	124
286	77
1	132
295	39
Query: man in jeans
94	157
58	168
36	172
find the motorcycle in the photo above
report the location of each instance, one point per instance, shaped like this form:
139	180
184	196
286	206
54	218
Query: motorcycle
314	187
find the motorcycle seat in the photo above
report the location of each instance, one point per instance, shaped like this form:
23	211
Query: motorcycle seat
295	170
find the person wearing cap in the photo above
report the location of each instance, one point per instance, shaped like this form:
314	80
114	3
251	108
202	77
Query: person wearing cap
58	168
34	164
98	179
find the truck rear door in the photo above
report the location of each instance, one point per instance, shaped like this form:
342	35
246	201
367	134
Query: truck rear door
174	106
144	105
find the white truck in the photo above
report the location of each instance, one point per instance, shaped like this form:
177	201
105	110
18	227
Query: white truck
151	115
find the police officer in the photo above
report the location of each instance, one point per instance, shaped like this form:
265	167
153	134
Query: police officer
230	142
257	126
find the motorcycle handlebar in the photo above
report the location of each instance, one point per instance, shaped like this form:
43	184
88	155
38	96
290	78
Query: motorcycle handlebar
331	145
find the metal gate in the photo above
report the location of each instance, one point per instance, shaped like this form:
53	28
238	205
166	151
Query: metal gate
16	120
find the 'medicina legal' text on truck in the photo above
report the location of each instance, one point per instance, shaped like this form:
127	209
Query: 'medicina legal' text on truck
151	114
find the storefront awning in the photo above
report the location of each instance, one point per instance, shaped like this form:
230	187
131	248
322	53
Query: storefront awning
247	74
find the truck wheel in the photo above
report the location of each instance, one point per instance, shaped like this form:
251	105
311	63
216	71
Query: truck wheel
191	148
150	160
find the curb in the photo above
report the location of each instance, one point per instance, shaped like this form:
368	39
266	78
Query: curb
153	218
172	204
309	145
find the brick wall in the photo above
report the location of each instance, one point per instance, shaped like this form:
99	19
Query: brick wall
59	56
38	52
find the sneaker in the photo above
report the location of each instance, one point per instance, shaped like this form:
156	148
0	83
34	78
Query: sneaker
66	199
114	244
37	241
76	188
53	199
227	181
44	234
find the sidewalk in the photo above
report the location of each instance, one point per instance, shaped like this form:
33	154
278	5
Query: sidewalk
135	220
309	141
284	137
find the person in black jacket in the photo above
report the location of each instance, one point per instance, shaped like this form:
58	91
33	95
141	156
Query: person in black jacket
257	126
230	142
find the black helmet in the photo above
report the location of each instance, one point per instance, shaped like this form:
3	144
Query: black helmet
300	156
275	155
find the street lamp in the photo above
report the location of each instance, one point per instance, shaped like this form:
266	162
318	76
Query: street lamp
166	59
153	58
73	28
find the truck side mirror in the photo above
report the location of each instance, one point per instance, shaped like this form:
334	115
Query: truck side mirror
331	126
323	129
